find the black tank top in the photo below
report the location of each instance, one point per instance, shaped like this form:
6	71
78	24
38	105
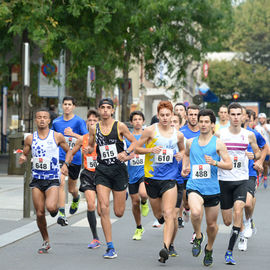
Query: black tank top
108	146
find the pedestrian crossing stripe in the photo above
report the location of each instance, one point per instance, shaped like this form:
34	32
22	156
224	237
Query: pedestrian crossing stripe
84	223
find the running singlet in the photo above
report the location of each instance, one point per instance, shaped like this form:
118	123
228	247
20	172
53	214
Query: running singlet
89	160
108	145
203	176
78	126
188	134
135	165
261	143
236	145
45	154
162	166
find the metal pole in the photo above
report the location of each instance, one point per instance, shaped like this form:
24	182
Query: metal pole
27	196
62	80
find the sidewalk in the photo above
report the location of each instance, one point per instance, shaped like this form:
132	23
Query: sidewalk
13	225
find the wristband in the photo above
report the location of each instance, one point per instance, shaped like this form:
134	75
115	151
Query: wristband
67	164
216	163
254	156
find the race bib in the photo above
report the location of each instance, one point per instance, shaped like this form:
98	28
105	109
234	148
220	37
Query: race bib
164	156
91	162
138	160
237	162
70	141
108	151
201	171
40	163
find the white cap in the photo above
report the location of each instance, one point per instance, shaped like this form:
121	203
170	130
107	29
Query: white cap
262	115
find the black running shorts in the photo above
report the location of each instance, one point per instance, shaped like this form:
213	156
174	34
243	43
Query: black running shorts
251	185
44	185
208	200
180	188
134	188
73	170
87	179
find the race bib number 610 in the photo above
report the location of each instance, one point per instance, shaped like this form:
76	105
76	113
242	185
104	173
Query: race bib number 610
164	156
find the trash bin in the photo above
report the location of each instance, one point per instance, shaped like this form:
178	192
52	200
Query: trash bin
16	141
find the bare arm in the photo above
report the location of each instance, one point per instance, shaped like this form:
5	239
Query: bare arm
71	153
254	145
186	160
26	149
226	162
181	146
68	131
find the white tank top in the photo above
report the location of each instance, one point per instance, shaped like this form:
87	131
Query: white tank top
236	145
45	153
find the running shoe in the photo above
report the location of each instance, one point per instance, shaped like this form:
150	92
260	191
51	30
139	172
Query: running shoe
208	257
94	244
229	258
110	254
74	206
138	234
247	229
242	245
145	209
163	255
181	223
192	238
197	248
172	251
44	248
62	220
186	215
156	224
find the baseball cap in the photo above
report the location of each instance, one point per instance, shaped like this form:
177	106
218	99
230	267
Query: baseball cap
262	115
105	101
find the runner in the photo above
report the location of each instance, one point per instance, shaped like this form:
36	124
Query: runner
223	118
264	129
176	123
249	226
111	171
44	144
233	184
72	127
162	145
180	108
87	177
202	159
190	130
136	177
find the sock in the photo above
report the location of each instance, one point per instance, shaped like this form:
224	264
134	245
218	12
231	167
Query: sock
144	202
234	236
186	209
110	245
62	210
165	247
161	220
139	227
91	216
76	199
53	214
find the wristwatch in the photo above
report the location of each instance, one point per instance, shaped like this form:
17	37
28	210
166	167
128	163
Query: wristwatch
127	152
67	164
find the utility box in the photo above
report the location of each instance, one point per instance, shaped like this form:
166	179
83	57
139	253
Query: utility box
16	141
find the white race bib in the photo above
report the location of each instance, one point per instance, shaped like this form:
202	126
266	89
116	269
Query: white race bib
108	151
70	141
138	160
201	171
41	163
164	156
91	162
237	162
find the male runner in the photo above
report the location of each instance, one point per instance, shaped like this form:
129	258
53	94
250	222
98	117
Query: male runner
248	120
87	177
202	160
233	183
44	144
136	177
72	127
180	108
162	146
190	130
223	118
111	172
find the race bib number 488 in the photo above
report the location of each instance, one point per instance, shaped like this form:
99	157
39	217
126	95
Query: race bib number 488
201	171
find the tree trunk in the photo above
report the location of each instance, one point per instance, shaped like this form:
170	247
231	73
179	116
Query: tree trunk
125	89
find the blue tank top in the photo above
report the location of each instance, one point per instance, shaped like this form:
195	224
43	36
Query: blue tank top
162	166
78	126
203	177
261	143
135	165
45	154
